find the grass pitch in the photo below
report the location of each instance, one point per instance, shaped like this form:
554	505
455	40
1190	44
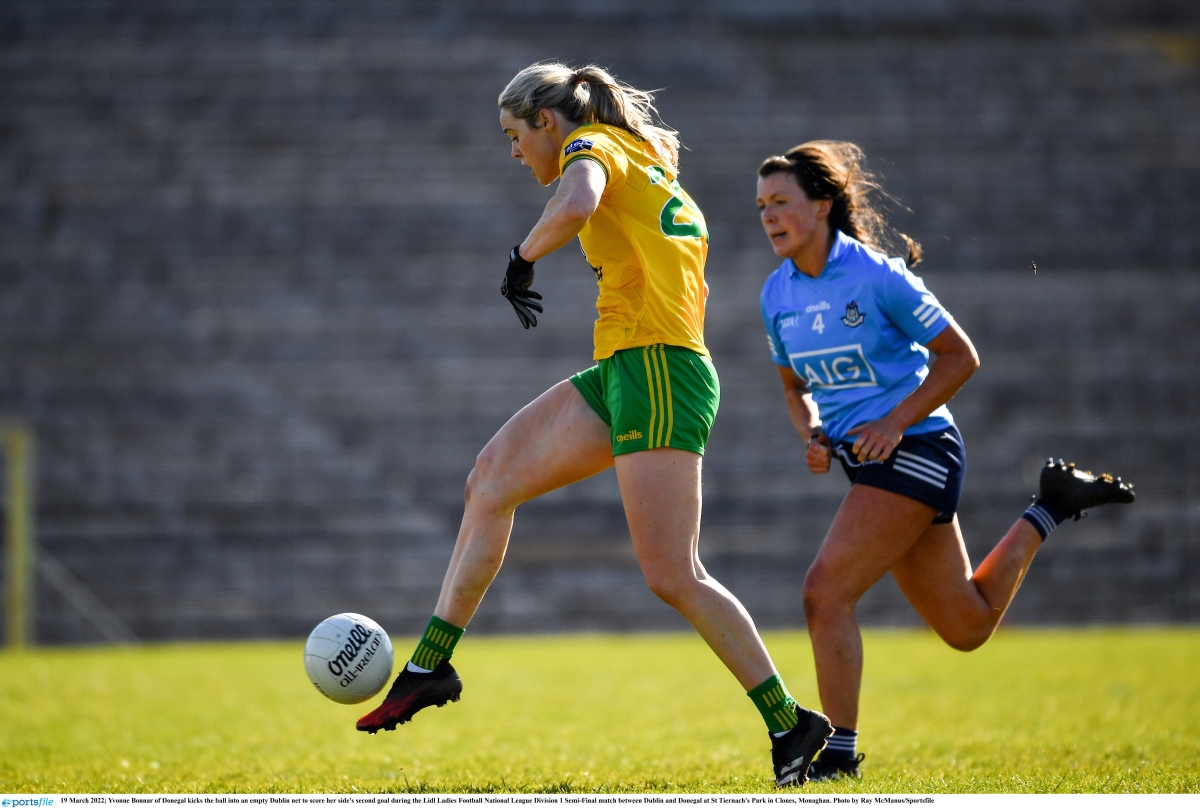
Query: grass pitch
1032	711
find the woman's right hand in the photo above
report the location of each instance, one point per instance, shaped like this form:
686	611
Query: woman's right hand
515	286
820	453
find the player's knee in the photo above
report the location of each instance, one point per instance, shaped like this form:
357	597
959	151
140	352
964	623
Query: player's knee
963	643
486	484
819	598
670	587
963	636
813	606
965	639
476	481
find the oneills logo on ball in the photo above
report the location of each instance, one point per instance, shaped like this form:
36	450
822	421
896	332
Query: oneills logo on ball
360	639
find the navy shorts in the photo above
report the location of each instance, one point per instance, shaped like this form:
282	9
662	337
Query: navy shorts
928	468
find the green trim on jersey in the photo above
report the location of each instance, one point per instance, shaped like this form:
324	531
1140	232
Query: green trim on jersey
593	158
653	397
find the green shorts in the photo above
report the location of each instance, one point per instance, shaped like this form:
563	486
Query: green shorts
652	397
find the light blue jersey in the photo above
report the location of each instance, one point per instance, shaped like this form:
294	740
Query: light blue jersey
855	334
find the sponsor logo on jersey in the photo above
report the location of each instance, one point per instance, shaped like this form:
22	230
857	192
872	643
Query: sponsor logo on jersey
789	319
577	145
854	318
822	306
834	368
632	434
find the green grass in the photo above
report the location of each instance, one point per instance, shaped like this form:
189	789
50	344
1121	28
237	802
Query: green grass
1032	711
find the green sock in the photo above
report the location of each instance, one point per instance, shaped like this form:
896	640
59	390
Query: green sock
776	704
437	644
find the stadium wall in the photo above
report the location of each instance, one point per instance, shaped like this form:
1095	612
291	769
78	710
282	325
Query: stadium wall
249	255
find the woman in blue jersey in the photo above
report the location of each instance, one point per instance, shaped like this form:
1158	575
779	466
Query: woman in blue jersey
852	332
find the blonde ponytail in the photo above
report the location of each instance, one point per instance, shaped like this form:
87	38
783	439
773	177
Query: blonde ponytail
589	95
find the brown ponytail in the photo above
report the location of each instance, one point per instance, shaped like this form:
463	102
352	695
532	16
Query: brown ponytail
831	169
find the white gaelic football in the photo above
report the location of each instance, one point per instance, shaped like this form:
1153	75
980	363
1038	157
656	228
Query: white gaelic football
348	658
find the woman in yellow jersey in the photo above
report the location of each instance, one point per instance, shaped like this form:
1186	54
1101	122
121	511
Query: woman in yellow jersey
646	407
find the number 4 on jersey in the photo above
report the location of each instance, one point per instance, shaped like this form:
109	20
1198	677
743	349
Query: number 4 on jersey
818	324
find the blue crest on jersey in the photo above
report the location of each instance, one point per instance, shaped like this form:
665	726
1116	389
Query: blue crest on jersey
577	145
853	317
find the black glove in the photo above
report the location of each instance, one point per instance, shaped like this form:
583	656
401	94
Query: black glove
517	280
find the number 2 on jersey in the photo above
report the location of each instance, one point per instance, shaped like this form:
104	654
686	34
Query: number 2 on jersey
670	227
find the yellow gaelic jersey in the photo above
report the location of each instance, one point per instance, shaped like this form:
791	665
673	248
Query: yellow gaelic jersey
646	242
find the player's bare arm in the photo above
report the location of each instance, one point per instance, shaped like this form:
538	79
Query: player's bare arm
807	420
566	213
956	362
536	143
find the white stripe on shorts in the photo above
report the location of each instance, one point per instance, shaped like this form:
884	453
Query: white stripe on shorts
921	468
913	471
928	465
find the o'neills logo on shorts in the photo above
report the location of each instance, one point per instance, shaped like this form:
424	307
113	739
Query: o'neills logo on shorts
358	638
632	434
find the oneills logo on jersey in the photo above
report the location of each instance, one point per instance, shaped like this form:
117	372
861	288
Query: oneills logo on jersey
834	368
853	317
577	145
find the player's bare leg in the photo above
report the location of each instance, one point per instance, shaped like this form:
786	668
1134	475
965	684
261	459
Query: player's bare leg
554	441
661	492
872	530
877	530
964	608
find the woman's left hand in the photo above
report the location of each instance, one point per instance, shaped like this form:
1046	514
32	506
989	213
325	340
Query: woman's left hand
876	439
